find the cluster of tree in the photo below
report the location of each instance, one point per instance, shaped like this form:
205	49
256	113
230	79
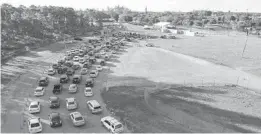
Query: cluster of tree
33	25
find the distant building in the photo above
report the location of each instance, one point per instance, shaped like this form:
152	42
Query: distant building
161	25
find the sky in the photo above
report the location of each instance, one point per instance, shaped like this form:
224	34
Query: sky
152	5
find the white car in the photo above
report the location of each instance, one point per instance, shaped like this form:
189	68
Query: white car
77	119
73	88
34	107
39	91
88	91
94	106
51	71
94	73
112	124
81	60
76	58
71	103
99	68
34	125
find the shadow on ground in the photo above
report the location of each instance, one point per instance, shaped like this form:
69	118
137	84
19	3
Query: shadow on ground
126	99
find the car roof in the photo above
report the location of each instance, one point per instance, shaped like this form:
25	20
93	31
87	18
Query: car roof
34	120
70	99
54	114
76	75
53	98
73	85
94	103
93	70
43	78
76	114
112	120
39	88
89	79
89	88
64	76
34	103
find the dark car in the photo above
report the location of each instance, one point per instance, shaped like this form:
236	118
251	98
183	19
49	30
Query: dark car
76	79
91	53
76	66
62	70
57	88
64	79
68	63
43	81
86	65
78	38
70	71
54	102
55	119
89	82
55	66
92	60
102	63
60	62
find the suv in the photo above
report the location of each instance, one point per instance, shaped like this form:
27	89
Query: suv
86	65
94	106
43	81
55	66
55	119
62	70
76	66
89	82
64	79
77	79
94	73
57	88
112	124
70	71
54	102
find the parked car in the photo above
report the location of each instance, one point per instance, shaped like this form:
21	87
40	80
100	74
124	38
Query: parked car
62	70
35	125
39	91
64	79
76	58
34	107
94	73
43	81
88	91
89	82
78	38
70	71
76	66
94	106
57	88
55	66
51	71
68	63
86	65
77	79
77	119
150	45
102	63
84	71
99	68
71	103
54	102
60	62
73	88
55	119
112	124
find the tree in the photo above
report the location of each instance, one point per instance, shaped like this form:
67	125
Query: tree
116	17
208	13
233	18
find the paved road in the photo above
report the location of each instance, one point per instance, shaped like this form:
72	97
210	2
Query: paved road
22	90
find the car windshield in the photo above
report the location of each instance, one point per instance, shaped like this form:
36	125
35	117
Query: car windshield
78	118
118	126
34	106
88	90
98	107
54	101
71	103
56	118
38	90
92	72
35	125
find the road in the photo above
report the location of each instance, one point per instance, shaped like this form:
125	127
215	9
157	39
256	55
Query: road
21	92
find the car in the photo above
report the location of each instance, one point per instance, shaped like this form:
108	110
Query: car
88	91
70	71
62	69
34	107
114	52
34	125
84	71
60	62
68	63
54	102
78	38
51	71
112	124
150	45
64	79
81	60
39	91
55	119
55	66
57	88
89	82
86	65
106	57
73	88
94	106
99	68
93	73
102	62
77	119
43	81
77	79
76	58
76	66
71	103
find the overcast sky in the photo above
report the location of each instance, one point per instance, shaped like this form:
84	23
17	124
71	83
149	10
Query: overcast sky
152	5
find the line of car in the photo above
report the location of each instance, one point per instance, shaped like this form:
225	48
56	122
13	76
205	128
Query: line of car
74	60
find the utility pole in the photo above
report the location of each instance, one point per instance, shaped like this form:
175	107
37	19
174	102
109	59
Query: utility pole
244	47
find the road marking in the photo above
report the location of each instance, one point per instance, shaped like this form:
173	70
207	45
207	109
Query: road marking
32	78
36	99
25	83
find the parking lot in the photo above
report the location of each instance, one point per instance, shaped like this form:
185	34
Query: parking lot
21	93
